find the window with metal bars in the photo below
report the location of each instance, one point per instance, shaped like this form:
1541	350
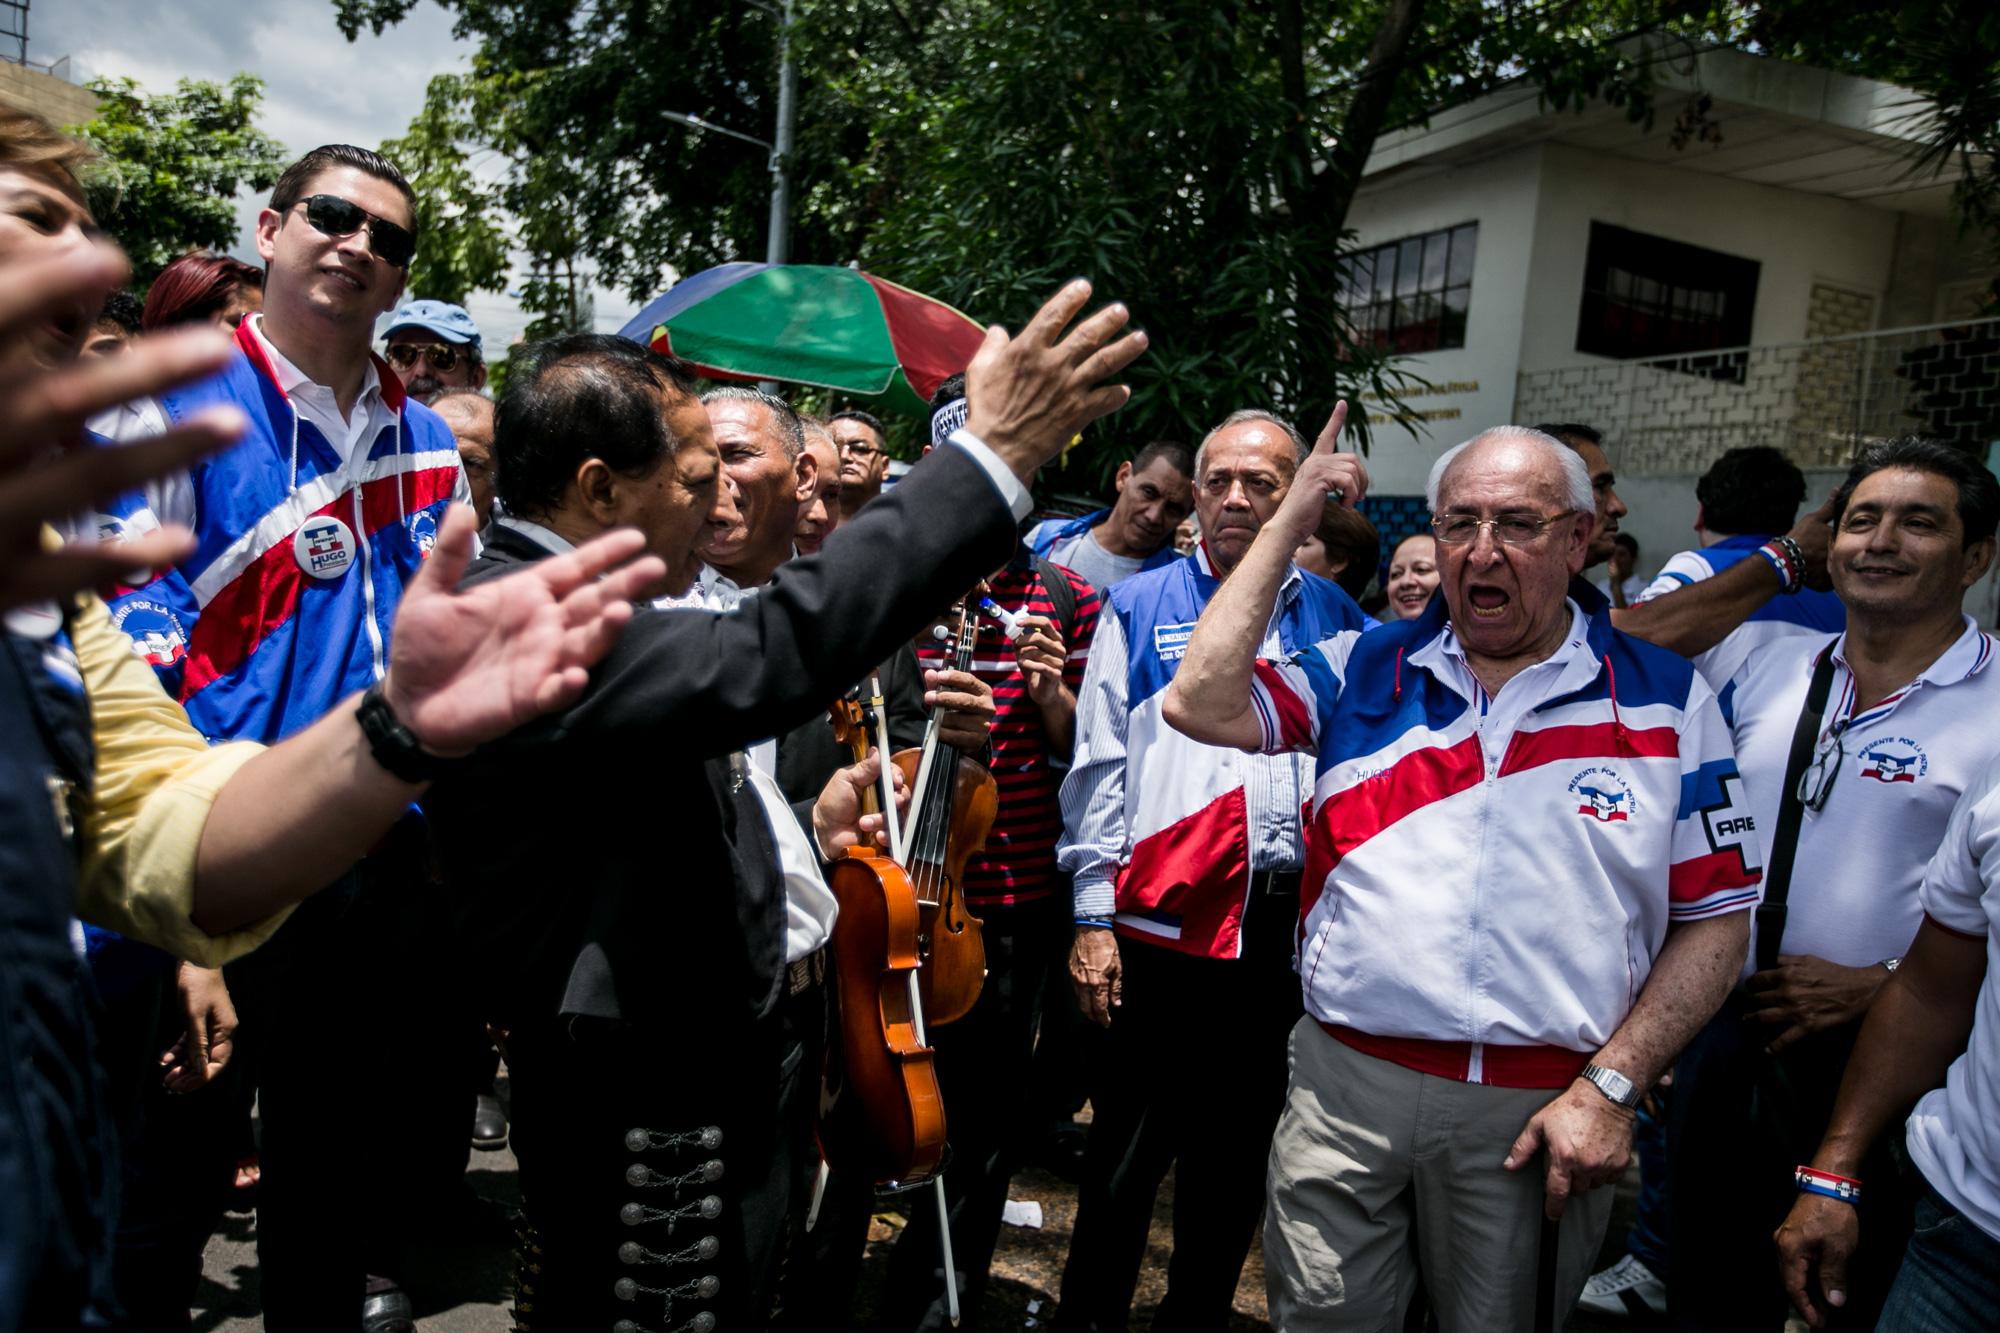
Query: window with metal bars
1412	295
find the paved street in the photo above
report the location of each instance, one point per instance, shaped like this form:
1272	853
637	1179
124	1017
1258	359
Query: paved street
463	1289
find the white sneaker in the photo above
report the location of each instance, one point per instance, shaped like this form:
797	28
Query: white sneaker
1626	1288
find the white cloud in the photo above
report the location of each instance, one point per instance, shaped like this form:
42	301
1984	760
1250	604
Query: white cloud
318	88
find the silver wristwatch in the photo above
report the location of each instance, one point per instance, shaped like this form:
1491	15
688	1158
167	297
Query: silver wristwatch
1614	1085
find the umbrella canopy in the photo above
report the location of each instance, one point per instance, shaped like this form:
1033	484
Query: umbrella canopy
836	328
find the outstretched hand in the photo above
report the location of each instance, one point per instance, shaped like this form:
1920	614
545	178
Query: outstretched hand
46	475
1327	477
1028	394
467	666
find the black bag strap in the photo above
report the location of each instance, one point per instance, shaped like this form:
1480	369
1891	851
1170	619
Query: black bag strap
1062	597
1791	812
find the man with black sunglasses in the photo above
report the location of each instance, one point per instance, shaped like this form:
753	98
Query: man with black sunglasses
1854	749
308	532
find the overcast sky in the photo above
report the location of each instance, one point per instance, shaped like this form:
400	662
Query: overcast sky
318	88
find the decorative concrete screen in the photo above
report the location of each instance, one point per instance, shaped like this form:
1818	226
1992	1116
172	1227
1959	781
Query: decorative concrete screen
1818	400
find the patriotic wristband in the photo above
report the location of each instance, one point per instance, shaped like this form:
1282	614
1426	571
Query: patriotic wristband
1093	921
1790	575
1843	1188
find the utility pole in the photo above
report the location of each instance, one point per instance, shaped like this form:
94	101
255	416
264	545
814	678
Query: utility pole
777	248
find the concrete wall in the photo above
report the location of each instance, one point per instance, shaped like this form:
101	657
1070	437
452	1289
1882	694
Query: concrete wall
31	90
1474	384
1799	240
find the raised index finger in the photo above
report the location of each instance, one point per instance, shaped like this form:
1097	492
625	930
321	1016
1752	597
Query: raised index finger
1329	438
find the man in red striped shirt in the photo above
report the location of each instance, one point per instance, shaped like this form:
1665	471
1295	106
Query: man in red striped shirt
1022	900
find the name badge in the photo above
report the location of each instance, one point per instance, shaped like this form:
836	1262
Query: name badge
1171	641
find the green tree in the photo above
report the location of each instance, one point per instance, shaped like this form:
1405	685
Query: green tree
173	163
1197	158
461	246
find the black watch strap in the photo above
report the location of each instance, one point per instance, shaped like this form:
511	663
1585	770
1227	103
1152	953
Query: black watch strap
394	745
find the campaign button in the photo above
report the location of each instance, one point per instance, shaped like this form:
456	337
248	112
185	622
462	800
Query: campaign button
324	547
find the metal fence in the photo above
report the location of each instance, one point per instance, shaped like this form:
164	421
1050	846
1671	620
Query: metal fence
1819	401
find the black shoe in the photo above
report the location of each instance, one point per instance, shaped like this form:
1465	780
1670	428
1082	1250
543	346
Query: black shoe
489	1123
387	1308
1062	1153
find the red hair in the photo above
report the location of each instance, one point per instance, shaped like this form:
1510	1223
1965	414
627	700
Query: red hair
195	287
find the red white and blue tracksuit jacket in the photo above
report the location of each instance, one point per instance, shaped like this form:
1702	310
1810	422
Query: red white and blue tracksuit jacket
285	606
1156	827
1487	905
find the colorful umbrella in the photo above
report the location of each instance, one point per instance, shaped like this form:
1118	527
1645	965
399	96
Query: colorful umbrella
836	328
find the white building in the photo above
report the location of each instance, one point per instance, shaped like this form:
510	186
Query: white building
1779	280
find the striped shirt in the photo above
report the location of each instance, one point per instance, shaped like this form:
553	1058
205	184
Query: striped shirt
1019	863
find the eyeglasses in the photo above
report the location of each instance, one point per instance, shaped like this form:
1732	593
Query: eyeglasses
402	356
331	215
1515	529
864	452
1816	783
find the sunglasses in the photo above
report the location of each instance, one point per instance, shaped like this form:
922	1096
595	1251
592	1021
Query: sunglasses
402	356
330	215
1816	783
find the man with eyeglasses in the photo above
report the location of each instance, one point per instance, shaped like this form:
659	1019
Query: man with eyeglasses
308	532
1516	905
1855	748
1185	861
864	457
434	348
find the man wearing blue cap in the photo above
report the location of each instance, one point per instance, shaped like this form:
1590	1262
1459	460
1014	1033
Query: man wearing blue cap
434	347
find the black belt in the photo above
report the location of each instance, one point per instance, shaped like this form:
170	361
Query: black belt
1277	883
806	973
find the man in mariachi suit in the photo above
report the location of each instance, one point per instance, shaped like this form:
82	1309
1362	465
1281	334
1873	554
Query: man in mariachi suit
1186	860
307	533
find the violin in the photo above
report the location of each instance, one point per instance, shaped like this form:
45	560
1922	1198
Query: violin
953	802
885	1120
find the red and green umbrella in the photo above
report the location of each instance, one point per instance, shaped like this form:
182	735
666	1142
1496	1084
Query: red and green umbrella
836	328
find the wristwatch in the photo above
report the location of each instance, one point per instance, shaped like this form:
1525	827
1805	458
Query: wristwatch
394	745
1621	1090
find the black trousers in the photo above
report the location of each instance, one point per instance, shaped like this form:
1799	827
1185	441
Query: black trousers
363	1030
1735	1131
983	1063
661	1175
177	1154
1195	1081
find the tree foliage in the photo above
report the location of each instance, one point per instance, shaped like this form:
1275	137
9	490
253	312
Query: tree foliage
1196	158
173	163
461	246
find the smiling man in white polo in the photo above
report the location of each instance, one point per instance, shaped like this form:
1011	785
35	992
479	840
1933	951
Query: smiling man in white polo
1855	747
1518	905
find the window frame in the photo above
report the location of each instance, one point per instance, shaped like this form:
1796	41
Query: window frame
1409	312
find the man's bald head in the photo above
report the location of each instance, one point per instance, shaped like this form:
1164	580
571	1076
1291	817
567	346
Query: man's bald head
470	417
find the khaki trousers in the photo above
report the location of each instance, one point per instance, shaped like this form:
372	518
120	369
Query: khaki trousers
1376	1169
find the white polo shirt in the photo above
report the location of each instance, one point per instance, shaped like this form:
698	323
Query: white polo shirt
1954	1132
1904	762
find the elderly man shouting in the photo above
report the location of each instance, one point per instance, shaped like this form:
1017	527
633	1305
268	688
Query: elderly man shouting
1526	887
